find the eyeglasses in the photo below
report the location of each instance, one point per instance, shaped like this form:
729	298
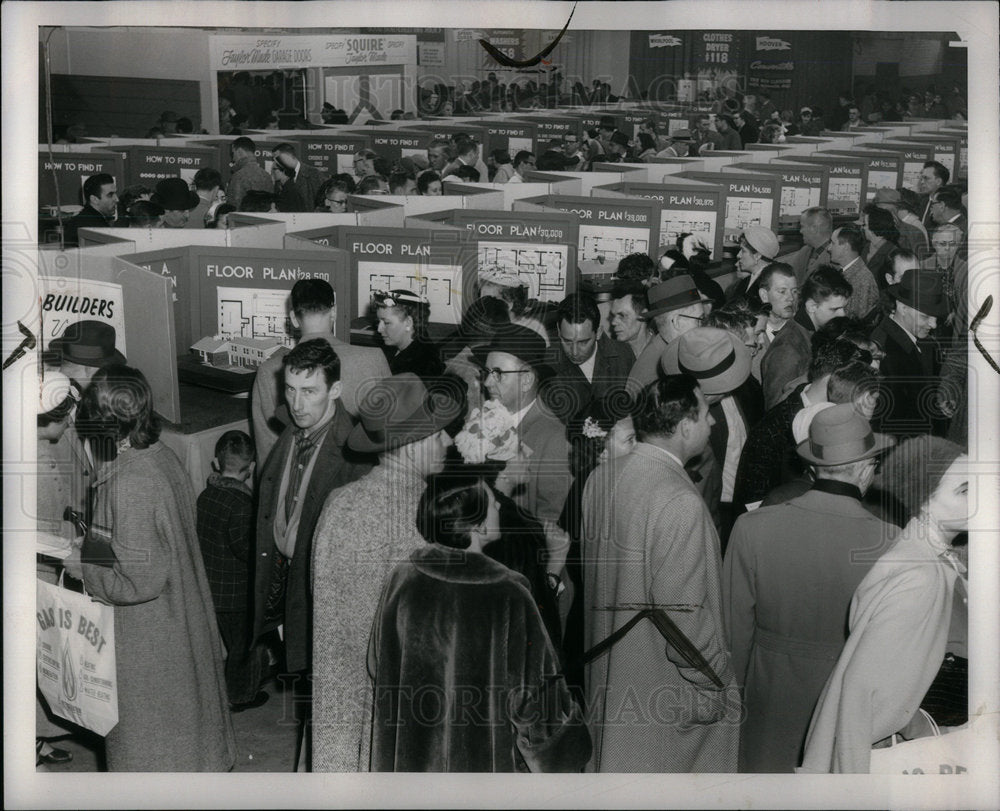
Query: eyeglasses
336	202
699	319
486	374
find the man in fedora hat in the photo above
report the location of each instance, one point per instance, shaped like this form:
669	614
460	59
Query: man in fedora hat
306	463
788	579
679	146
911	364
649	538
365	529
758	248
720	362
176	198
514	368
675	306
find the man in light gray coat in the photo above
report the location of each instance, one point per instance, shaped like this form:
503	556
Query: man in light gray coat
651	543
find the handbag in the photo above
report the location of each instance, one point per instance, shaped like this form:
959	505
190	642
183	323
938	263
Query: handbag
75	657
935	754
947	699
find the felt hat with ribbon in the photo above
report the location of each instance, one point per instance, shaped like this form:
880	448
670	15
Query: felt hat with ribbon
523	343
921	290
839	435
87	343
673	294
716	358
174	194
400	409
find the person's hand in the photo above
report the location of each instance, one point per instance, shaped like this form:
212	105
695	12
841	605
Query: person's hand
73	565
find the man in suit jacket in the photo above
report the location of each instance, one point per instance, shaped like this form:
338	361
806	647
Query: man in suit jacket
314	314
208	187
306	180
953	270
911	364
788	580
932	177
587	368
824	297
720	361
816	226
100	207
247	174
650	539
303	467
846	246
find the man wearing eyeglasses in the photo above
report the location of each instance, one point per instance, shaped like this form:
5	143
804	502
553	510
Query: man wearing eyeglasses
953	272
524	161
514	366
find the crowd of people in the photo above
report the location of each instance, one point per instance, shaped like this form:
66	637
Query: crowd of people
685	529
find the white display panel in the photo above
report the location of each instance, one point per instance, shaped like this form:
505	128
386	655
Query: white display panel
441	284
515	145
611	244
742	212
844	195
542	267
879	180
911	174
673	223
248	312
68	300
796	199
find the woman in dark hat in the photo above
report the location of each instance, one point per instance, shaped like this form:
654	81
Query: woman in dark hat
402	325
176	198
461	631
142	556
901	614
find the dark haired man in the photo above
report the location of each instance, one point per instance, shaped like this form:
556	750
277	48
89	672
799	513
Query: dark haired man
313	313
846	245
208	187
587	367
650	538
824	296
247	173
933	176
100	207
303	179
303	467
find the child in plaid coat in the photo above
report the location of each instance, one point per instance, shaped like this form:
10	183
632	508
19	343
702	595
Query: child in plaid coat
225	524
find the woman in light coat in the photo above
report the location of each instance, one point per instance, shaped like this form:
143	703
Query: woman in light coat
900	615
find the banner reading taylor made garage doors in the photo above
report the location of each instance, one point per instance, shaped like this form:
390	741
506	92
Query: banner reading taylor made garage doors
333	50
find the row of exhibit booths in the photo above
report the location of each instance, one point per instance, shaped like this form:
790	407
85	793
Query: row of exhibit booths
198	309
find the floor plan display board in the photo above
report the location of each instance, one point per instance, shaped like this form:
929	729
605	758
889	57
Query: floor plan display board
884	168
750	200
848	176
802	187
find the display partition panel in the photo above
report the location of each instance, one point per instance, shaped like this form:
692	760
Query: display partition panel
175	266
947	150
436	263
61	177
687	207
611	228
802	187
395	144
148	165
750	200
331	153
914	157
848	176
514	136
538	248
263	152
884	168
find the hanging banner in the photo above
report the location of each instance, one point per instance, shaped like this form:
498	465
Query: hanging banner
332	50
717	49
772	64
664	41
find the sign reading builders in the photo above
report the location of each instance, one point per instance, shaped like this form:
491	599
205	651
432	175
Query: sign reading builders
772	64
330	51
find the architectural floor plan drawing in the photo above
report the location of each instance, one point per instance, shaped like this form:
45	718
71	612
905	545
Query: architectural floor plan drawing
796	199
542	267
611	244
742	212
247	312
845	195
673	223
441	284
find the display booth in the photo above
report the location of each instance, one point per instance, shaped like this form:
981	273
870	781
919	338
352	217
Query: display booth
61	177
884	168
514	136
802	187
438	263
148	165
330	152
847	180
395	144
947	149
609	228
751	199
914	156
366	75
686	207
540	249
